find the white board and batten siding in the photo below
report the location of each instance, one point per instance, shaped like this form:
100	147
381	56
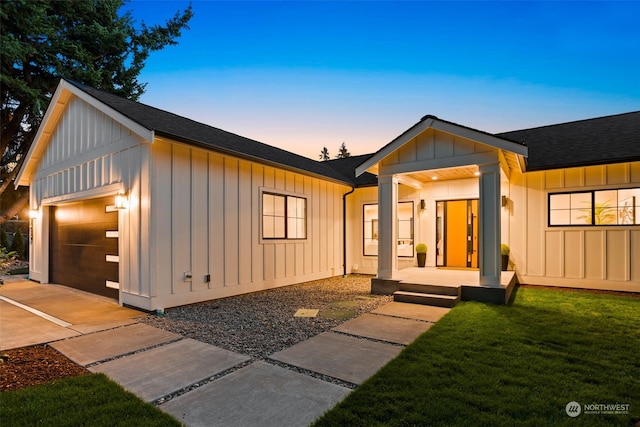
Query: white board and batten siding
204	220
434	149
89	154
599	257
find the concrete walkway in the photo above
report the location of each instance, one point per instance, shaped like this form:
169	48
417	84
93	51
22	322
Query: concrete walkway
204	385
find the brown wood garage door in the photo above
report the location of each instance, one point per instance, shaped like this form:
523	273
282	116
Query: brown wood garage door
79	246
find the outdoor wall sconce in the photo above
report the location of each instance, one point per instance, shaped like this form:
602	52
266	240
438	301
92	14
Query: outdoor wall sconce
423	205
122	201
33	215
504	201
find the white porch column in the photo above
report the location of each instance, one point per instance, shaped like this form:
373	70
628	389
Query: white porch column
387	224
489	225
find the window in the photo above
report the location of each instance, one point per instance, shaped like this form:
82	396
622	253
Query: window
598	207
283	217
404	230
370	230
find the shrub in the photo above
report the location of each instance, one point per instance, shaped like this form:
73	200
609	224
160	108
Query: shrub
421	248
6	257
4	239
18	244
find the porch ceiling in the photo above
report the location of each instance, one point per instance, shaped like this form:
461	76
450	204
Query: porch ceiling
462	172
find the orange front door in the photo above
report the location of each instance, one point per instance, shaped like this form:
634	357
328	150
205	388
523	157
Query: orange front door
456	233
460	233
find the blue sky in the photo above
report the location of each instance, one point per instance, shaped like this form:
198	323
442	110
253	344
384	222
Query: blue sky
308	74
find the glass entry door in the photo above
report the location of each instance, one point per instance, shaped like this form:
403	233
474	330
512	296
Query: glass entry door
457	233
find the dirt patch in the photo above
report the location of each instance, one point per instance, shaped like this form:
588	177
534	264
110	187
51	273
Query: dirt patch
28	366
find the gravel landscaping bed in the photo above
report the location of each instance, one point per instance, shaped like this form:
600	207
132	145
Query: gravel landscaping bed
262	323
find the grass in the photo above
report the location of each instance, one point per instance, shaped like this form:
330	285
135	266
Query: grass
518	365
85	400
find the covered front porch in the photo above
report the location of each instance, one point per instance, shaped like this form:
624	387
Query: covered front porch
443	281
446	164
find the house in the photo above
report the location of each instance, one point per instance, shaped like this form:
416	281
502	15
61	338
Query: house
157	210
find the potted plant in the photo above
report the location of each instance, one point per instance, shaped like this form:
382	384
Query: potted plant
421	251
504	252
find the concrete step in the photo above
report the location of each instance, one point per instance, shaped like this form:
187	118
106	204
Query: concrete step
426	299
430	289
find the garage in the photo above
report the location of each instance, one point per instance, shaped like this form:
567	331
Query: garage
83	243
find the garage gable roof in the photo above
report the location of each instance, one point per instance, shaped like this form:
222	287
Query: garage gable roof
53	114
602	140
173	126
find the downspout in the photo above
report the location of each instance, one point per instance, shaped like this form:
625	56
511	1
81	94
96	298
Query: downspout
344	231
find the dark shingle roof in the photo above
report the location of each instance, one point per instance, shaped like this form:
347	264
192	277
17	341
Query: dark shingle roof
170	125
347	167
603	140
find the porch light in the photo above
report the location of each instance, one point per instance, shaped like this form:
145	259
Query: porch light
434	177
34	214
122	201
476	173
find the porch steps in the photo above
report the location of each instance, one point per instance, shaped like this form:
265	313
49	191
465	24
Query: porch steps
435	295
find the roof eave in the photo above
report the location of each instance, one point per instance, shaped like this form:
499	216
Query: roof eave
443	126
55	105
58	103
581	164
249	157
409	134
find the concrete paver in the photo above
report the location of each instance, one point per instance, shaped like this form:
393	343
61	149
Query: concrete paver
88	328
260	394
385	328
19	328
347	358
257	394
87	349
412	311
163	370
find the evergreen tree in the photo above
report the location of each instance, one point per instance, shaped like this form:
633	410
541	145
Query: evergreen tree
324	154
343	152
84	40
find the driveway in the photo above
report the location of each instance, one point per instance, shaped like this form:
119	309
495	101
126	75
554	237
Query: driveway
31	313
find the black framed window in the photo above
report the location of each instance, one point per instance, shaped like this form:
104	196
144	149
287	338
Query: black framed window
595	208
283	216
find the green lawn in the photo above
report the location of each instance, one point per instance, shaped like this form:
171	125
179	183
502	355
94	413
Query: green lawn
518	365
87	400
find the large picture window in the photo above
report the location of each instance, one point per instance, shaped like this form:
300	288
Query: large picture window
405	229
283	217
597	207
